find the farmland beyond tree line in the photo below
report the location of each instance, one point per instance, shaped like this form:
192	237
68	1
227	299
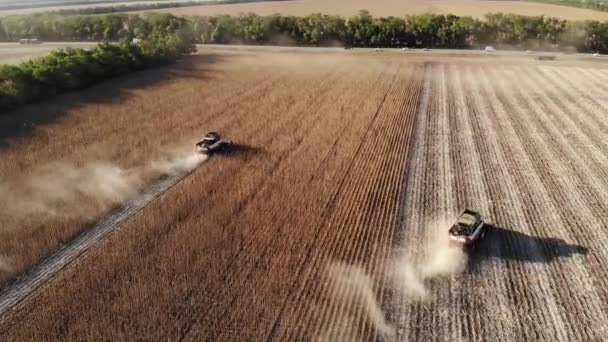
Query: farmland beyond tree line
427	30
594	5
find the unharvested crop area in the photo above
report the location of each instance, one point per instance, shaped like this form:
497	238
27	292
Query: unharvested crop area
67	161
321	223
475	8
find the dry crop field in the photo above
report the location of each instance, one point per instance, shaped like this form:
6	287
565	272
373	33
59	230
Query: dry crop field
321	223
66	6
11	53
475	8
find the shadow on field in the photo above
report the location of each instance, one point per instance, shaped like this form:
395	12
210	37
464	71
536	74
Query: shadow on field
510	245
235	149
22	121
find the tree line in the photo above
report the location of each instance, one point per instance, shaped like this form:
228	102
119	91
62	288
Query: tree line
362	30
69	69
426	30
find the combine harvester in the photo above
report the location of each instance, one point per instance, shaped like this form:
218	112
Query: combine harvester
211	143
468	229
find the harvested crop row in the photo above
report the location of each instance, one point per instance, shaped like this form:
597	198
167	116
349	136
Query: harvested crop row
525	152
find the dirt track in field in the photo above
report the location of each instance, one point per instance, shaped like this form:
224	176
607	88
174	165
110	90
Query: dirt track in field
290	236
18	292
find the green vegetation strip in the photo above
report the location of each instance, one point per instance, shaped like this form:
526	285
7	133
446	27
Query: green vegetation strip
69	69
165	37
427	30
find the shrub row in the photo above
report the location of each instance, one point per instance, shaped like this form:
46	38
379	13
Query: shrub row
69	69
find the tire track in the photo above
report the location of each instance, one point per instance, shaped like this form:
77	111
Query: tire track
417	199
25	286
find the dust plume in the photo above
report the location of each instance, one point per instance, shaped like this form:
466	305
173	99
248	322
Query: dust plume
357	289
5	264
177	162
406	276
71	190
441	257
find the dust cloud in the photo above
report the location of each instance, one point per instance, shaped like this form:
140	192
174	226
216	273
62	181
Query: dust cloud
406	276
72	190
177	162
356	287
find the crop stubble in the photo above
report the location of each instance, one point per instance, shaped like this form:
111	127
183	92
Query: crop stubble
525	147
241	248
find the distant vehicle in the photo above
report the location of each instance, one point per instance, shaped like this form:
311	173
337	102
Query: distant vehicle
379	50
528	51
348	48
597	54
545	58
404	49
211	143
490	48
468	229
426	49
30	41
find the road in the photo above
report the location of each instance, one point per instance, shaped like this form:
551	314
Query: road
405	51
15	52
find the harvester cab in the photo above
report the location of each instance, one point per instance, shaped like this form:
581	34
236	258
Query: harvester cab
468	229
212	142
